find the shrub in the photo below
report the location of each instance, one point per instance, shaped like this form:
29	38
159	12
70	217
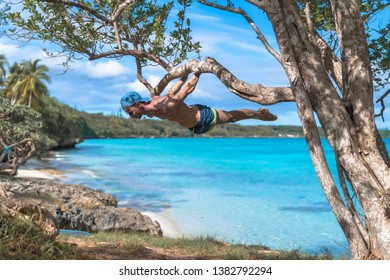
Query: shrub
20	136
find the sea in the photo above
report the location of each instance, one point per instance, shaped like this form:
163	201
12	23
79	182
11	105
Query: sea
260	191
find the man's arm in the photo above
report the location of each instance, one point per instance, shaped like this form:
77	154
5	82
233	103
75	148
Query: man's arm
177	86
187	88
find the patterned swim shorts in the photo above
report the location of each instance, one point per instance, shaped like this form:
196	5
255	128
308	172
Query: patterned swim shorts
208	119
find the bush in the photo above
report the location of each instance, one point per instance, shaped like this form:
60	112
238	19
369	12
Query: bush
23	240
20	136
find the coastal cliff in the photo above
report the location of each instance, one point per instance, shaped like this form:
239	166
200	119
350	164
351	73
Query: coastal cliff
73	207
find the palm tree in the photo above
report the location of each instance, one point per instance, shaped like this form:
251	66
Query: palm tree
30	85
15	73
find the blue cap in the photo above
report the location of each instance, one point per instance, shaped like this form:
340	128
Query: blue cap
131	98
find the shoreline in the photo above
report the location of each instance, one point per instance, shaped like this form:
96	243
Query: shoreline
30	173
167	224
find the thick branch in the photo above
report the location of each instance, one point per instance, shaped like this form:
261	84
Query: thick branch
118	37
310	23
357	74
331	62
252	92
120	9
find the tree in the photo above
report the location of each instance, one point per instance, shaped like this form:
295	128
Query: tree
12	78
330	76
24	83
30	85
20	136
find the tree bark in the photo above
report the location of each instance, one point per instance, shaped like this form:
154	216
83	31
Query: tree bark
352	139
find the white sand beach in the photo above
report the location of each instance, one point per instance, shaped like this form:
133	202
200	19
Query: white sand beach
29	173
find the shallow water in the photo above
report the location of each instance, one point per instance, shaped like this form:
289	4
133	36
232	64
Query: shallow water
249	191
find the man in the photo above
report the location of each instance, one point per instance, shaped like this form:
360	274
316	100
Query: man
198	118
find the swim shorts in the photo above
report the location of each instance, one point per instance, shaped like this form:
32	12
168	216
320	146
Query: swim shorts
208	119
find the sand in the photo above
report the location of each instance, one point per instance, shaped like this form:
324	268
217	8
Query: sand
28	173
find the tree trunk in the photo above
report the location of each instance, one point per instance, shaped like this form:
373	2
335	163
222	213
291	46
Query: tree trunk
29	98
360	152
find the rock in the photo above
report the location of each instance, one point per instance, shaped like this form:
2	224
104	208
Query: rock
60	192
76	207
106	218
37	214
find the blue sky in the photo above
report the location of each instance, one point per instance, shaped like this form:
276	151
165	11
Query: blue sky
96	86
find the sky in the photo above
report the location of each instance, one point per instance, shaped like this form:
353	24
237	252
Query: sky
97	86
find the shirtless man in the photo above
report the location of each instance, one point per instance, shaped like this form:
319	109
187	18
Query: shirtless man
198	118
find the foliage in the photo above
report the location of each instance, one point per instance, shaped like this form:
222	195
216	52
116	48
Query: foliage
24	83
30	85
20	130
3	11
107	29
22	240
379	51
63	125
322	18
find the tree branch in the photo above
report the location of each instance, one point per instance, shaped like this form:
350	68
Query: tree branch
120	9
23	160
381	100
252	92
111	19
355	57
240	11
134	53
77	5
350	204
141	77
118	37
331	62
310	23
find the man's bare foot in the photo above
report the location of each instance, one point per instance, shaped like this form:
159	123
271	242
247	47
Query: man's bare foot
266	115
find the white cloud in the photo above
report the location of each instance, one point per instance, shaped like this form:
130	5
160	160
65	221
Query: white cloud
18	52
204	18
101	70
9	50
139	87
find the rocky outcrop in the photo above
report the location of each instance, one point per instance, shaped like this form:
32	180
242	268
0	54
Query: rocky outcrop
77	207
105	218
37	214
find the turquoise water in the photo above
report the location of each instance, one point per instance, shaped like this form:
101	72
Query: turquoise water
247	191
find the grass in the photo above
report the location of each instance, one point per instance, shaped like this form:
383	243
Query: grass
147	246
22	240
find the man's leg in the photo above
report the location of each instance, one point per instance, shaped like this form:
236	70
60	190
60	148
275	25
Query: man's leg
244	114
